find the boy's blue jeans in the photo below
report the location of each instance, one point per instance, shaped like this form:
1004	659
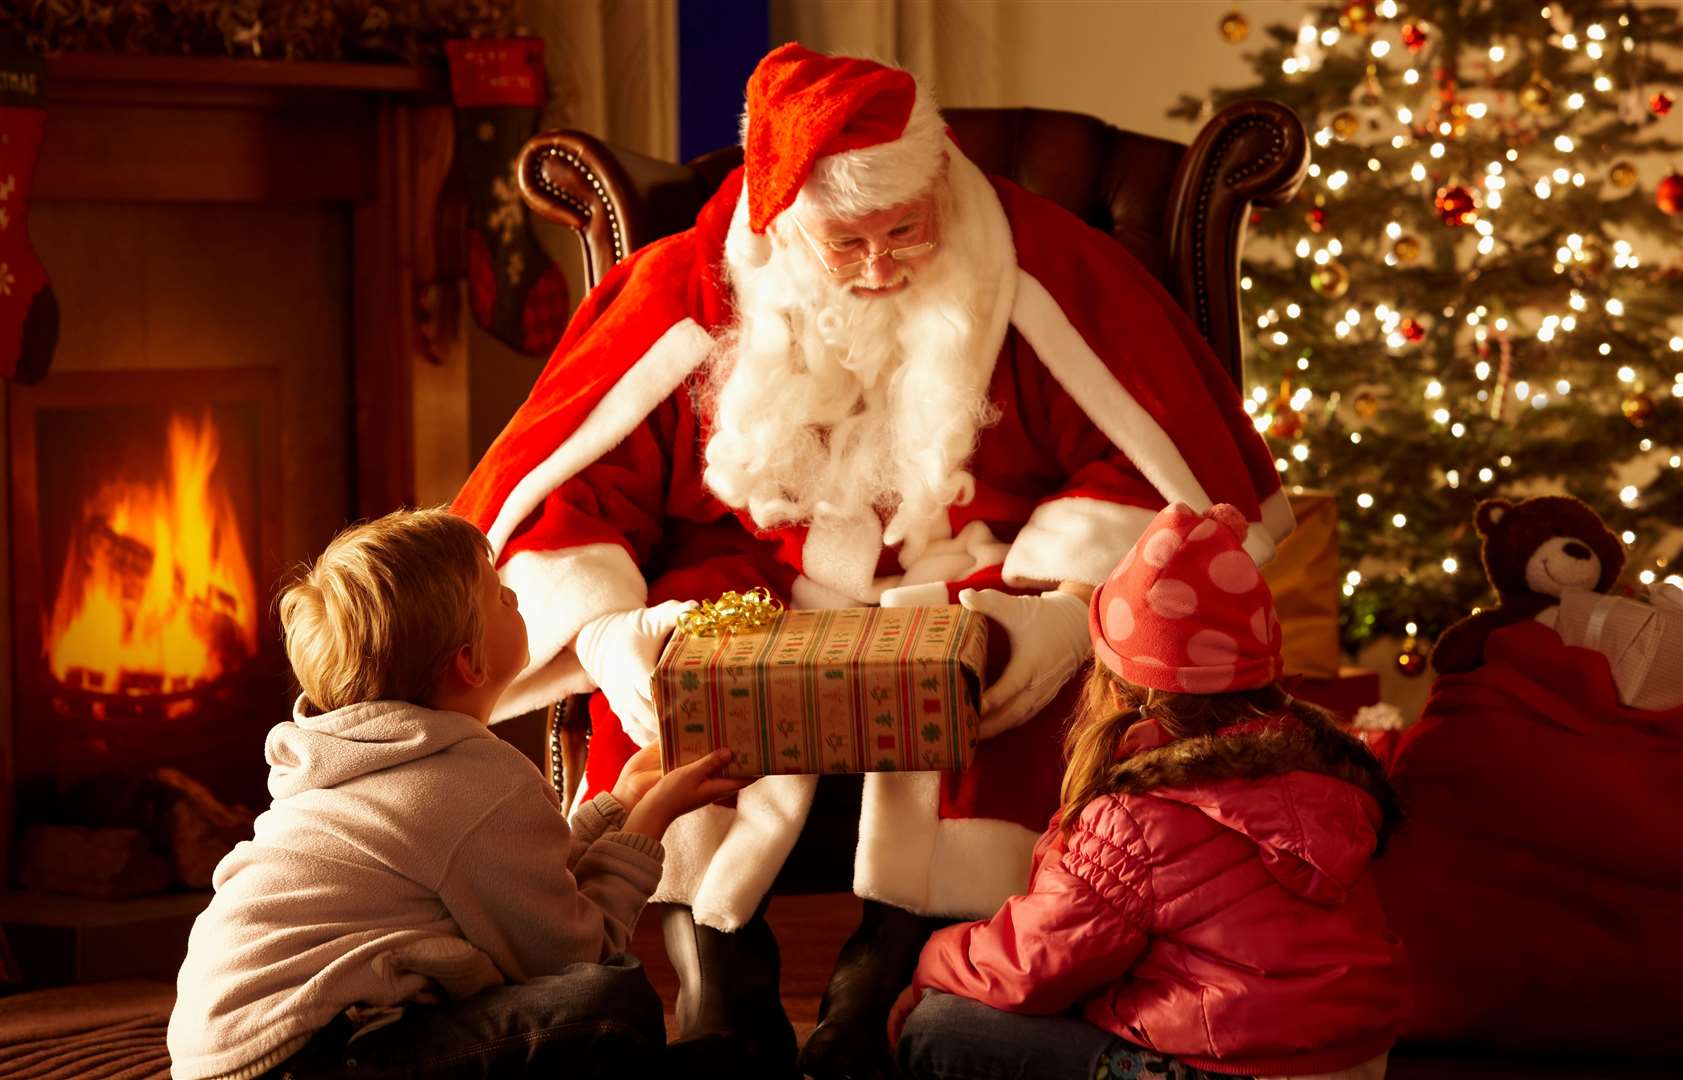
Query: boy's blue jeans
588	1020
955	1038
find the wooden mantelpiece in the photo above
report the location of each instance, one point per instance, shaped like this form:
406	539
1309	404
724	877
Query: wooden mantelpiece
374	138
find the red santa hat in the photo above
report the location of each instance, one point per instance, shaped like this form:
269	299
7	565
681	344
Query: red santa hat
1186	610
857	135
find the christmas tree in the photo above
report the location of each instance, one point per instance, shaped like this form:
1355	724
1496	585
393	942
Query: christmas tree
1476	292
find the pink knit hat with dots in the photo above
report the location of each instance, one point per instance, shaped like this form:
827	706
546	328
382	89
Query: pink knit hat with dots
1186	609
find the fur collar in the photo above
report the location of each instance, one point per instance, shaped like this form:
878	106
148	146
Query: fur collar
1299	740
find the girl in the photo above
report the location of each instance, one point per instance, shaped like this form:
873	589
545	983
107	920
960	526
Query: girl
1202	903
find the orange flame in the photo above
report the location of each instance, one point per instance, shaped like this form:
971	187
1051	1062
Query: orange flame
157	595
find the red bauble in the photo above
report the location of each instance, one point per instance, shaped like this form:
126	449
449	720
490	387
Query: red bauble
1414	36
1456	205
1668	196
1412	330
1660	103
1317	218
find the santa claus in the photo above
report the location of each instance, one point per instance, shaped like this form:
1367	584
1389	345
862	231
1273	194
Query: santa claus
868	375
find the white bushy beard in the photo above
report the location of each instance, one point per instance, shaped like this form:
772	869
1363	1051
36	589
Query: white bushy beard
825	403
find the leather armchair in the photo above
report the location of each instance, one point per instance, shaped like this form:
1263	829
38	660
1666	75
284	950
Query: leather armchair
1181	210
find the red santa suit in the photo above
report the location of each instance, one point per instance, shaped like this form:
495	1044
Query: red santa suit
1110	405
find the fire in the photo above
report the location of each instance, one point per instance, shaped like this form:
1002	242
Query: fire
157	594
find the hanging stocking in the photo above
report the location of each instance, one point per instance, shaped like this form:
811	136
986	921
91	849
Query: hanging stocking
28	309
514	291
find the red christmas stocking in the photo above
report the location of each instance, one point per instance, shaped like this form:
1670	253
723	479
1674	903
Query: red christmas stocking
28	309
514	291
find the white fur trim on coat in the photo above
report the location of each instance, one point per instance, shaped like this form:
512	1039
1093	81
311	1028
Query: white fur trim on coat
721	861
1106	401
910	857
650	381
559	592
1074	539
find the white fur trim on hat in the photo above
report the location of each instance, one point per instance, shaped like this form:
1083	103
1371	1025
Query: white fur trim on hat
859	182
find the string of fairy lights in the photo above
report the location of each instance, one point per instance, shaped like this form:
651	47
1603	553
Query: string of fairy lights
1492	203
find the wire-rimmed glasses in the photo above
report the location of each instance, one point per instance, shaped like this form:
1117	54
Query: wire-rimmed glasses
856	267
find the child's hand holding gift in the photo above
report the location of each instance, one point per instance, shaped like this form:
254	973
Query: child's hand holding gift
689	787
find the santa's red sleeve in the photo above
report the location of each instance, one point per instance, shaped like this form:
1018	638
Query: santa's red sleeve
570	494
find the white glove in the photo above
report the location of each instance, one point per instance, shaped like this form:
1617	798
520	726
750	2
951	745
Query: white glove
619	651
1049	641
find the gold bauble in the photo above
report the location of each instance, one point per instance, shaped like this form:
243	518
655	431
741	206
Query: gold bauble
1458	120
1638	408
1591	256
1358	16
1330	280
1537	95
1623	174
1366	404
1235	27
1406	249
1345	125
1287	424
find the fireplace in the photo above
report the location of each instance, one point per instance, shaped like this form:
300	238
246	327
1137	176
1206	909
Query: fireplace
146	530
251	318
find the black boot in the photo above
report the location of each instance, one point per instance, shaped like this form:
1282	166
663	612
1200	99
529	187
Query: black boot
730	1014
851	1039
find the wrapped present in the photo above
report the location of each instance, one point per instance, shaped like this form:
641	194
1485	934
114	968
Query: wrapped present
1642	640
1304	580
844	690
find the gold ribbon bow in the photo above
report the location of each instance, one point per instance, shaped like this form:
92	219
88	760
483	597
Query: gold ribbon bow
732	613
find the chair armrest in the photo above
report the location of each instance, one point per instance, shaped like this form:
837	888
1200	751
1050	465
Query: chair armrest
616	200
1251	153
574	179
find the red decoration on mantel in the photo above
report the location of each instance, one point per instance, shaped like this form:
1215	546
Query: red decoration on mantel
28	306
514	290
1668	196
496	71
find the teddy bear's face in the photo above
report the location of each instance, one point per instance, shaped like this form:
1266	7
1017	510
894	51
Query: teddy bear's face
1562	563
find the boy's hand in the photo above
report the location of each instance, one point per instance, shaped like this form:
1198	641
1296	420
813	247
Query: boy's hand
688	787
903	1006
641	772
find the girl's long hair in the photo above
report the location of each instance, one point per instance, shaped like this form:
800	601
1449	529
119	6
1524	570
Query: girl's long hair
1109	706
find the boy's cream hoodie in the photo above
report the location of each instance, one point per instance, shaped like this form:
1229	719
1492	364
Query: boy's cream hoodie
408	852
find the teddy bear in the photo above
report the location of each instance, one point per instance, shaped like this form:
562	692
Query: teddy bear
1533	550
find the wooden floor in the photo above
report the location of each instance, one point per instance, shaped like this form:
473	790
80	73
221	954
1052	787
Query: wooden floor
811	930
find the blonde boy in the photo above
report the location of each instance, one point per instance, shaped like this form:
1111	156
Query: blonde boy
414	899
